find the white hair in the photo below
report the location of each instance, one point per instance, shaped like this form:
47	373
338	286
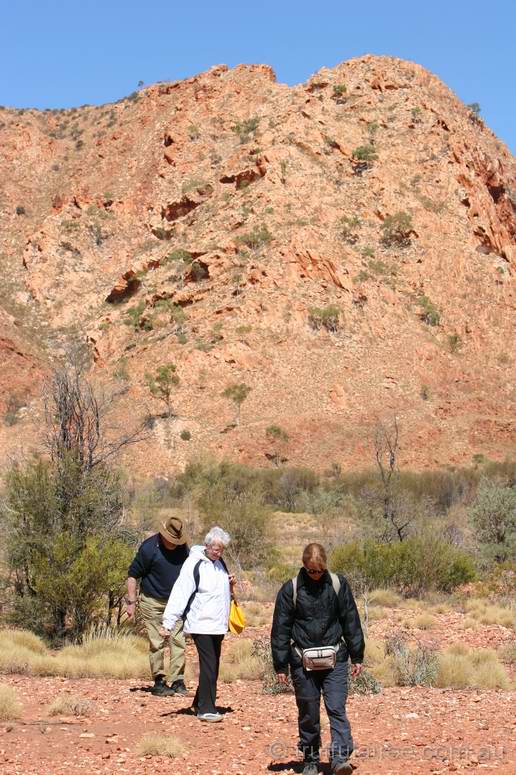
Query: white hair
217	534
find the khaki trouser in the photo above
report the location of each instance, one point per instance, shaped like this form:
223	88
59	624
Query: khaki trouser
152	612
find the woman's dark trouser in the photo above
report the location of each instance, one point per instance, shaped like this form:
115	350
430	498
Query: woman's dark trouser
208	648
333	684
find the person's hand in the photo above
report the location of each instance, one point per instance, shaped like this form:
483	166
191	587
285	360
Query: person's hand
232	580
164	632
282	678
356	670
130	609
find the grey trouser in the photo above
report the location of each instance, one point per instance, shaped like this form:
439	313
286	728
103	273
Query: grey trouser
152	613
333	684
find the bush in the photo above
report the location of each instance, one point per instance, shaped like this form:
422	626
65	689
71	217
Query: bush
255	239
244	129
185	435
429	313
262	651
365	683
325	317
10	708
412	667
363	157
413	566
397	229
494	517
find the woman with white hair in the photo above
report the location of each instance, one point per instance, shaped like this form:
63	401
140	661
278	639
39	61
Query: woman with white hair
202	596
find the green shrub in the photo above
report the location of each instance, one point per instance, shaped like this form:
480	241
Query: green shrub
185	435
413	566
412	667
494	516
324	317
339	91
348	228
244	129
178	255
429	313
255	239
366	154
397	229
364	683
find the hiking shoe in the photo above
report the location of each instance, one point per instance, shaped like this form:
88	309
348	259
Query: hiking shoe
311	768
213	717
179	687
342	768
160	688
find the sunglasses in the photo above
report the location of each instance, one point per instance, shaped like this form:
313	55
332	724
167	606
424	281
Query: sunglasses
313	572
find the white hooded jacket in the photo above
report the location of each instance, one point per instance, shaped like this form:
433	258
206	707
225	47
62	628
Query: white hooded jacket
209	611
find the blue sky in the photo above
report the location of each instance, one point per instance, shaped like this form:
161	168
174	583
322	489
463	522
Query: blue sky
58	53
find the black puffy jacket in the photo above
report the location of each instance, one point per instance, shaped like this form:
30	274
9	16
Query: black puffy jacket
319	619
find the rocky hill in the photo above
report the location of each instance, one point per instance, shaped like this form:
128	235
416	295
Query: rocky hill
344	247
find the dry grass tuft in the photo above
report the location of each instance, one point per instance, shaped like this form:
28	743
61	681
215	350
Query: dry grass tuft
238	663
425	622
507	653
10	708
153	744
70	705
460	668
22	638
97	658
385	597
484	613
257	614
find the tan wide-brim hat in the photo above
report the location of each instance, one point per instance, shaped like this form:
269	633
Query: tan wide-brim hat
172	530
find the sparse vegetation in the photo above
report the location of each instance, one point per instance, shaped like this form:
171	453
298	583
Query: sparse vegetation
363	158
397	230
154	744
348	229
325	317
10	708
70	705
429	313
494	516
244	129
237	393
339	93
162	383
255	239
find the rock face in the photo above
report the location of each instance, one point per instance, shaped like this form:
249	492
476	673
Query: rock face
216	222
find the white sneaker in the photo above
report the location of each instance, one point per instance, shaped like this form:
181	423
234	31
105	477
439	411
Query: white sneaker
213	717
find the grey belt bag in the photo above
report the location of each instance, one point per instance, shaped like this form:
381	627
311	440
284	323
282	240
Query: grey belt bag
319	657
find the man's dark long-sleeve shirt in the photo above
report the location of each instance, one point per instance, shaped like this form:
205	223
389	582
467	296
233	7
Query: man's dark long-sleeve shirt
157	567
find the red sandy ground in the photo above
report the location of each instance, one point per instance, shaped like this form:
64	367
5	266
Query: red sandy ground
408	730
412	730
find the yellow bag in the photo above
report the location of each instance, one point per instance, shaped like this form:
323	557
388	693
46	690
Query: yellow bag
236	618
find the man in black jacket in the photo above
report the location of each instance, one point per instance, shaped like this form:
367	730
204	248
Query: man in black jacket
318	609
157	564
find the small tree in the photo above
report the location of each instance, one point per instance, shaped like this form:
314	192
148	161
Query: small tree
494	516
162	383
67	545
237	393
278	438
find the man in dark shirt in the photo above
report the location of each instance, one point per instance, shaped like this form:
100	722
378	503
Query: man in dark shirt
157	564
